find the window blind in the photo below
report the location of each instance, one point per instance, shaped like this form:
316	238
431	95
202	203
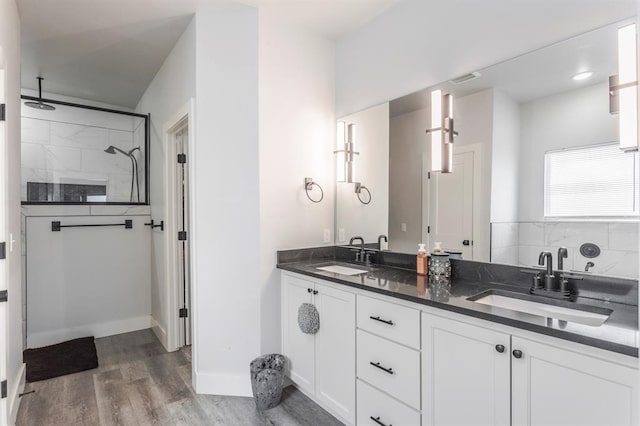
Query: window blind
593	181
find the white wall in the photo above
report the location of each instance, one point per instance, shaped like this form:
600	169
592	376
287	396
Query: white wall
407	143
171	88
569	119
419	43
86	281
297	139
225	225
372	170
505	154
10	179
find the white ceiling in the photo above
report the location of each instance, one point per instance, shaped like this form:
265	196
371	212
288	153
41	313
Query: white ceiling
101	50
110	50
537	74
330	18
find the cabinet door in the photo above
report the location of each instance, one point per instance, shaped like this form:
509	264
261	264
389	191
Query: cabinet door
297	346
336	351
553	386
465	374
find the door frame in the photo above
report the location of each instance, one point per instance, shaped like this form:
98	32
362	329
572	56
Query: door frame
171	256
477	150
4	232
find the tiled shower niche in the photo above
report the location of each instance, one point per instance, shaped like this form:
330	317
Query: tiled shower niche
64	158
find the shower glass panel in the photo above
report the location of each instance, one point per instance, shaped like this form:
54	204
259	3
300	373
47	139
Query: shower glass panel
77	154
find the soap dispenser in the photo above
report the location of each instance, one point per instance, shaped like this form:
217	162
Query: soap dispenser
422	264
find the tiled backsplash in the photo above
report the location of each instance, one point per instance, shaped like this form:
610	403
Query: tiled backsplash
520	243
66	146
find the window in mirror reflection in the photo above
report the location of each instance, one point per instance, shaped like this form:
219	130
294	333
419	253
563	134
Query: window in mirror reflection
596	181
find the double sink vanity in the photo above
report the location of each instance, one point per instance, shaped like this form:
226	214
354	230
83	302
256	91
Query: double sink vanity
395	349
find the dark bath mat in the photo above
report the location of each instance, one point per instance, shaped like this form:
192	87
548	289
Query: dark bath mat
61	359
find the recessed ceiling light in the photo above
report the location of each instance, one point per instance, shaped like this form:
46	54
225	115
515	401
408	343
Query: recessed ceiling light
582	75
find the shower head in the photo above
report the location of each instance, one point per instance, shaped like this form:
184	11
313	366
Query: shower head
39	104
110	150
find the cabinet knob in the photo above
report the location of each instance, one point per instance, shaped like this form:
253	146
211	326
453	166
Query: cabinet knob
517	353
500	348
309	290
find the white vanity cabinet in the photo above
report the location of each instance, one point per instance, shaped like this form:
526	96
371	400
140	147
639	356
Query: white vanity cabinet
475	375
557	386
465	374
321	364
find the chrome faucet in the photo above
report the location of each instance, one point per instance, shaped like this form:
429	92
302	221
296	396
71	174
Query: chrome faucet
549	279
589	265
562	254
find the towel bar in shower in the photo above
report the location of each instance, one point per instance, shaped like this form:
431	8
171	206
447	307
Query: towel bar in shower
55	225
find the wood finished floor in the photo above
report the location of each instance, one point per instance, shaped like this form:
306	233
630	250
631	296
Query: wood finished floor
138	383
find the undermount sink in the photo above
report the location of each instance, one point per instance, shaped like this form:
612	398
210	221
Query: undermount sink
549	308
342	270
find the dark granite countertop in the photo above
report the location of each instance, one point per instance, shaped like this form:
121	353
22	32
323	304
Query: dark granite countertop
619	333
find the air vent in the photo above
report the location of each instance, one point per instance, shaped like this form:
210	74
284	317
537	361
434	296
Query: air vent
464	78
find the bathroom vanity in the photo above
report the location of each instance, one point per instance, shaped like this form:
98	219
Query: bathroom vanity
393	349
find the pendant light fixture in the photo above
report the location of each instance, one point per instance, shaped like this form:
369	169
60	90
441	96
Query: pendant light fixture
39	104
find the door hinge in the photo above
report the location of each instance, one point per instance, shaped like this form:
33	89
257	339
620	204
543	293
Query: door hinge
183	313
4	296
428	175
3	111
428	229
182	158
3	389
182	235
3	250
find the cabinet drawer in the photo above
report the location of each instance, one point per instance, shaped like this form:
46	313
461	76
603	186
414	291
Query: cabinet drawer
389	320
389	366
373	404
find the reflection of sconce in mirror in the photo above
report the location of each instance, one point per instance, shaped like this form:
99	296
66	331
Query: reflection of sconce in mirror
359	188
308	186
442	132
623	94
346	152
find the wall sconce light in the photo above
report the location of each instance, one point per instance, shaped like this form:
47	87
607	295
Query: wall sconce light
359	189
346	152
442	132
623	92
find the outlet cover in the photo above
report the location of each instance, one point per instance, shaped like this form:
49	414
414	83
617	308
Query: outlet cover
326	235
403	227
341	236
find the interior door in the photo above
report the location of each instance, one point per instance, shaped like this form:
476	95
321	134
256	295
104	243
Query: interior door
182	215
3	269
451	206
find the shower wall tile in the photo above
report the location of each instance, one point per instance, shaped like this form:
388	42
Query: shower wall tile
34	131
121	139
531	234
99	161
610	262
33	156
574	234
60	159
504	234
121	210
623	236
78	136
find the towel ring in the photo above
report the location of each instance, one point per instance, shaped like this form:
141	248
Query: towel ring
308	186
359	188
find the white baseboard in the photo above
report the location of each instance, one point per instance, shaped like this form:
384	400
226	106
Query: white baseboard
160	333
14	403
51	337
223	384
